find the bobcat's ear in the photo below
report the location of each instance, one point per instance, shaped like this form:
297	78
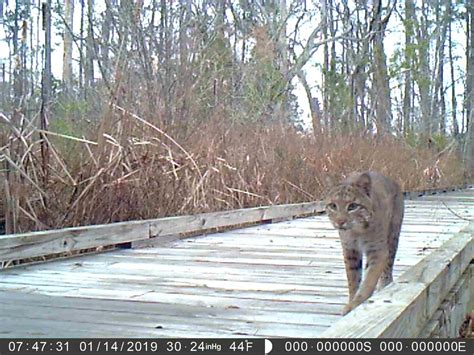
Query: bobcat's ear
364	182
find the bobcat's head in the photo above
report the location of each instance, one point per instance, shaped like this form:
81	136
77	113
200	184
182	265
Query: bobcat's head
348	204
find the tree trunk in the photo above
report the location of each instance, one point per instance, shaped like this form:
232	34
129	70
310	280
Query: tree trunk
469	139
453	79
408	86
325	20
382	100
47	75
438	104
106	35
468	84
90	53
67	41
46	91
313	104
18	89
423	72
81	47
281	107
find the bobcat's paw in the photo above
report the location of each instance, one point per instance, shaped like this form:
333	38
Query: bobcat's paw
357	300
348	307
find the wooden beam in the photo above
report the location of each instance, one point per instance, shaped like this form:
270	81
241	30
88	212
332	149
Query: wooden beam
448	318
411	195
404	307
34	244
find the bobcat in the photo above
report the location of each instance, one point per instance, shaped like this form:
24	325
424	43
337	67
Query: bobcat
367	210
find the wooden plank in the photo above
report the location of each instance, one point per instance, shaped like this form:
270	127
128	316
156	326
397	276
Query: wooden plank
432	327
406	249
448	318
159	324
403	308
51	328
439	204
22	246
27	245
167	315
18	327
193	296
193	285
273	239
234	217
227	306
409	195
305	266
321	275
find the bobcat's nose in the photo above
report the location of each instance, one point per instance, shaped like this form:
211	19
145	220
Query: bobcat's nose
341	224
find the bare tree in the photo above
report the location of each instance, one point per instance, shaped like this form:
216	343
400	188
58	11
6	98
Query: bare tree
90	51
67	44
469	139
451	71
408	66
381	90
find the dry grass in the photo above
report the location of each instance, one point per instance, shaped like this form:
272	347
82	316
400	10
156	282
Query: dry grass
138	170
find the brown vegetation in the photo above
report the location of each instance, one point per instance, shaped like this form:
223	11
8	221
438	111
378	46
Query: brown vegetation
142	171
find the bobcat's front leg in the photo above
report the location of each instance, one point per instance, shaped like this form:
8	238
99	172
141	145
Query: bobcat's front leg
353	266
375	265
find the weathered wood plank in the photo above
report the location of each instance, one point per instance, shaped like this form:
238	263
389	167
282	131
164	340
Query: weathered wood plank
159	323
166	315
38	328
324	275
411	228
21	246
438	191
448	318
305	267
195	286
17	327
204	297
232	307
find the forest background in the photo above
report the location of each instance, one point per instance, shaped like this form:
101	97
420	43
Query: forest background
162	108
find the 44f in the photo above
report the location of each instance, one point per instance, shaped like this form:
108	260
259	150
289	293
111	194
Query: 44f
241	346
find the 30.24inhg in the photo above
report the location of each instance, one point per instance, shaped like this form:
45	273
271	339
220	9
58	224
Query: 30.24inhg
244	346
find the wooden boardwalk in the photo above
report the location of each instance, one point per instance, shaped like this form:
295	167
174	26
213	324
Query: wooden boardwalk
281	279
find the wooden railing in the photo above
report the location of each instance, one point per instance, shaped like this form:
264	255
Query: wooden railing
37	244
34	244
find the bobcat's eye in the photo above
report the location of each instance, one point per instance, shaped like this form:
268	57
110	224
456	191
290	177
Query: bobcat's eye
353	207
332	206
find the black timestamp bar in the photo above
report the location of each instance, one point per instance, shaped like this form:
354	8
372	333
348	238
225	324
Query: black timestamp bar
236	346
129	346
371	346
